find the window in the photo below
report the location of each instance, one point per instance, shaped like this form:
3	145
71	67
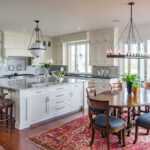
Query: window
135	65
78	57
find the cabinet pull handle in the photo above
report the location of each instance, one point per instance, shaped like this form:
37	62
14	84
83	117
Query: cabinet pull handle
59	95
59	88
27	109
60	102
38	92
59	108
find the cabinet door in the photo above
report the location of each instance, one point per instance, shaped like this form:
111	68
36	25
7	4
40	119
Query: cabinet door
107	46
9	41
93	51
76	96
38	106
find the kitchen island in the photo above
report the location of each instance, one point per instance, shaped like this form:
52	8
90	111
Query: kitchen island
37	99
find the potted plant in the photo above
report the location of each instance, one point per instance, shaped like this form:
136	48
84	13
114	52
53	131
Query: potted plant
129	79
59	76
135	88
46	65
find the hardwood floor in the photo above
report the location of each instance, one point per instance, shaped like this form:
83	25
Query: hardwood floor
16	140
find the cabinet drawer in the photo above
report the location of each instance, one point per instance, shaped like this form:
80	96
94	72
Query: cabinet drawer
56	95
61	87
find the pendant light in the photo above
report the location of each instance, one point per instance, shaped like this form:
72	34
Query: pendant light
37	48
132	41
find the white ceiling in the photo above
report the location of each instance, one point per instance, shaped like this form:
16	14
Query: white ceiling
66	16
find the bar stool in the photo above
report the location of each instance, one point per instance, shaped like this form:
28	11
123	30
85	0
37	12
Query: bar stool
6	110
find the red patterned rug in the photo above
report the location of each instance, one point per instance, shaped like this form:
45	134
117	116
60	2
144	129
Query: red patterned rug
76	135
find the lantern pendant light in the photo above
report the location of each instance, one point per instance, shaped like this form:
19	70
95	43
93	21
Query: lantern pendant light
37	48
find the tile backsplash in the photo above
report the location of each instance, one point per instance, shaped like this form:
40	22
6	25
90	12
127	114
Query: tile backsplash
15	64
105	71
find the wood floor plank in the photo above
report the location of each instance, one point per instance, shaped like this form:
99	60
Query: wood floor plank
16	140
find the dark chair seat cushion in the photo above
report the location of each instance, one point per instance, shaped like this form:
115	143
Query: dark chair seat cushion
98	111
114	122
144	120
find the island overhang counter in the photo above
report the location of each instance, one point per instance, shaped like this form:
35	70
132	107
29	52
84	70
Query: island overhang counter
38	99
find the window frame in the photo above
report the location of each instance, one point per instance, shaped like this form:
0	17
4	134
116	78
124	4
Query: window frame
87	64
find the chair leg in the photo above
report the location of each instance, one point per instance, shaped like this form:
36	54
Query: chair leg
123	138
115	112
7	122
139	111
11	116
93	134
119	136
90	125
147	132
108	147
136	134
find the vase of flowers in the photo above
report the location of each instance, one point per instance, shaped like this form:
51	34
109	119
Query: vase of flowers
136	88
47	65
129	79
60	76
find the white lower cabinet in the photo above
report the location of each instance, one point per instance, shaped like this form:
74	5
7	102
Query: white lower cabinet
35	105
57	106
75	99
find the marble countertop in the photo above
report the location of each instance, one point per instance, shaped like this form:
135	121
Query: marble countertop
35	82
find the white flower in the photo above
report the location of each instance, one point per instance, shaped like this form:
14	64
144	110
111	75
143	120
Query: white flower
51	61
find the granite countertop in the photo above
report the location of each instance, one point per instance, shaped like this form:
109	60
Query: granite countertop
35	82
88	76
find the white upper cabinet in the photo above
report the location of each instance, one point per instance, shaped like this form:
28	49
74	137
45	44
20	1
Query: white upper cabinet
100	41
17	43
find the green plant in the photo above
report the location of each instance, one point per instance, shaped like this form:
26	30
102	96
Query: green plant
135	85
59	74
130	78
47	63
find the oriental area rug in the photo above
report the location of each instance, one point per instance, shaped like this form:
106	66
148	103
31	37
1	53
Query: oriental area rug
76	135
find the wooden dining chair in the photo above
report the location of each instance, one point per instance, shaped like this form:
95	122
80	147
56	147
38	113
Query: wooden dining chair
147	108
116	86
144	109
106	123
6	111
91	92
144	122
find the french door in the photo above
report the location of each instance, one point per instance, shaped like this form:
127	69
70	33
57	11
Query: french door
78	57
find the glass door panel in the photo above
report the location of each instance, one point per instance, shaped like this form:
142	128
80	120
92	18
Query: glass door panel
72	56
81	58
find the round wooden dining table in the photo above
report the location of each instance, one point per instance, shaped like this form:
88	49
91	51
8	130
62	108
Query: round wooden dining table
121	99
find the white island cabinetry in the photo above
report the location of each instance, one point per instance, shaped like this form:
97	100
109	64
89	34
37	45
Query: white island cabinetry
38	104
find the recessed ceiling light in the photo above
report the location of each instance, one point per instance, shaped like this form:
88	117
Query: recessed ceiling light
79	28
24	30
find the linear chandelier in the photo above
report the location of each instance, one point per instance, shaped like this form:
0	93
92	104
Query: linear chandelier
131	42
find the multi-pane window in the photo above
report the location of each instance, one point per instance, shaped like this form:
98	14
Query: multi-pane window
78	57
135	65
